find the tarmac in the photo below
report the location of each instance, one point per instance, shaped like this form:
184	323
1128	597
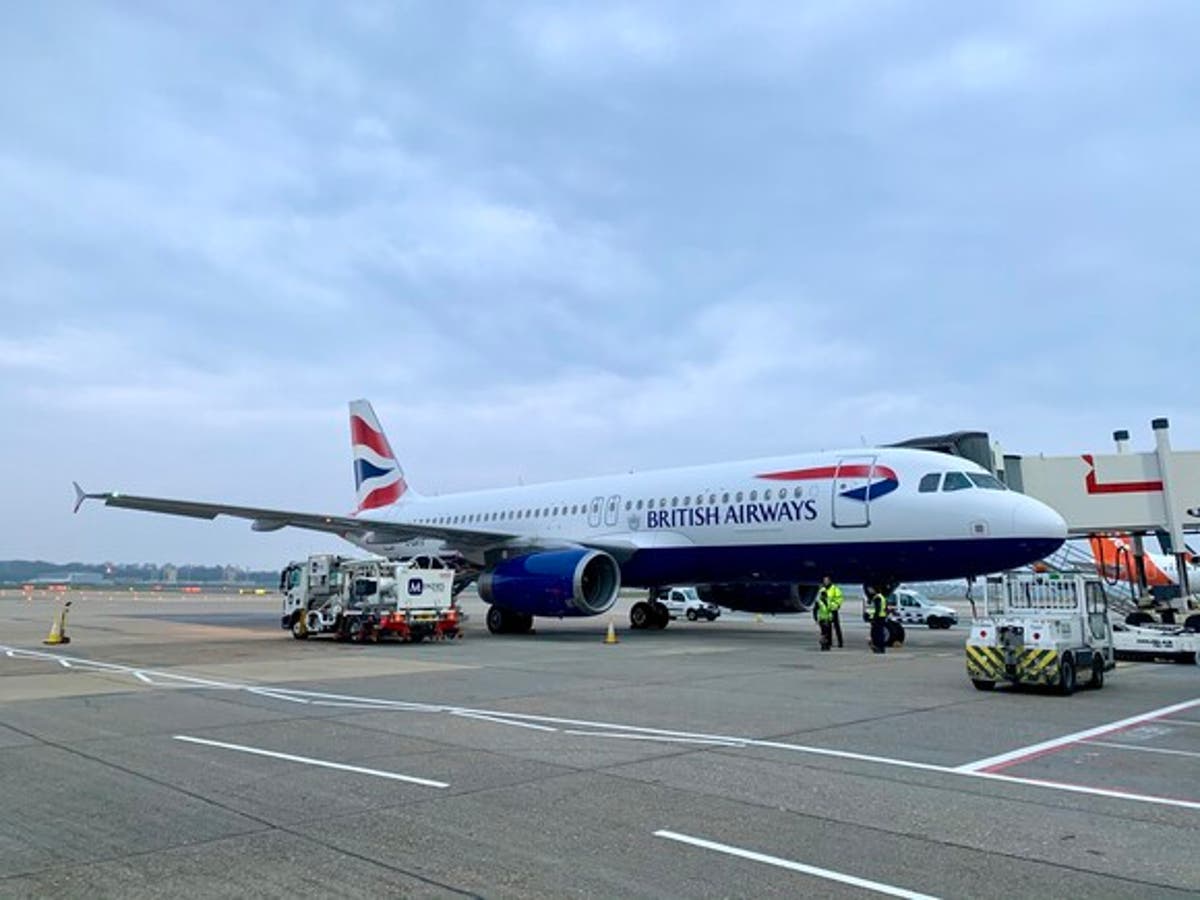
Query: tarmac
188	746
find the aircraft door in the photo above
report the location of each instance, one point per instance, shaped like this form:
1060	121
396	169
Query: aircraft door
851	491
611	509
595	512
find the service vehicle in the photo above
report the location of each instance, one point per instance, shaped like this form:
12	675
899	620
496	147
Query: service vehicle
665	604
914	608
1150	641
1041	629
368	599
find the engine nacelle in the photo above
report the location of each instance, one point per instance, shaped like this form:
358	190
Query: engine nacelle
760	596
574	582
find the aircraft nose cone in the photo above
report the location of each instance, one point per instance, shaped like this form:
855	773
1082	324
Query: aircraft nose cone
1034	520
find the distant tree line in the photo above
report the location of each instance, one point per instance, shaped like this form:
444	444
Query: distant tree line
20	570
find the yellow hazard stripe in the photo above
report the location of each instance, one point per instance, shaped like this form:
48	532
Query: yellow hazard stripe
985	662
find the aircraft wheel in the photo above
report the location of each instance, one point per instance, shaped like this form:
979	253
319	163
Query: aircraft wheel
639	615
522	623
497	621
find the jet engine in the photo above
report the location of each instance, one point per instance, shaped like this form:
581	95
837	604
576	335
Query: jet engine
572	582
760	596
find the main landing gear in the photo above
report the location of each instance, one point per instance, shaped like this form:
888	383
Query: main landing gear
646	614
508	621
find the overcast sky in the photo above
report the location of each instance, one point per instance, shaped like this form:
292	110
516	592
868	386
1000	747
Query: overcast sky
555	240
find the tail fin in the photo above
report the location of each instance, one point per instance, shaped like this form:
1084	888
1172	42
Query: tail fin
1114	561
378	477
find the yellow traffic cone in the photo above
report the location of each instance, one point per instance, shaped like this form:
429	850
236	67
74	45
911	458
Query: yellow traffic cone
58	628
611	636
758	617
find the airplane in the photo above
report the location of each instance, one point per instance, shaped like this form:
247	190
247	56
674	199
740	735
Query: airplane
1115	562
755	535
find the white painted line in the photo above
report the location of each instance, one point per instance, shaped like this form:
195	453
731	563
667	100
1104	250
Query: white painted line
1182	722
1143	749
655	737
1082	789
828	874
395	776
499	720
1002	760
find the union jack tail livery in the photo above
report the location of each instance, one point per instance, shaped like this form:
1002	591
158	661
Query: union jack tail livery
378	477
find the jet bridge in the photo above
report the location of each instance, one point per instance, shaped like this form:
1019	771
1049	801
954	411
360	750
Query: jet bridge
1121	492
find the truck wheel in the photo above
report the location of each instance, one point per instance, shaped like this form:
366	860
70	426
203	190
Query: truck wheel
299	632
639	615
691	615
712	616
1097	681
1066	677
933	622
981	685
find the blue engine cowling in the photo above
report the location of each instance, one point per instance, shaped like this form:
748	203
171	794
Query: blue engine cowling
573	582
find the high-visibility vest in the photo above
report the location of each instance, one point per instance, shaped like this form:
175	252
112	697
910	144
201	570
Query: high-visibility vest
879	606
833	594
824	612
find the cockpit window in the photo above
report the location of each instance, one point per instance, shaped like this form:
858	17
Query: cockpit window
987	482
955	481
930	482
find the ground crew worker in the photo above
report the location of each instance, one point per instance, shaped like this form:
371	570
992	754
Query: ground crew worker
833	594
823	613
877	612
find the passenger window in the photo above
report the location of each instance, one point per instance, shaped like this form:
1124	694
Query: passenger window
628	505
796	493
739	496
650	503
767	494
639	505
929	483
955	481
753	496
725	498
685	501
712	498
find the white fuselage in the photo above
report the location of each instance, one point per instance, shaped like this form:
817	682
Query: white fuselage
857	515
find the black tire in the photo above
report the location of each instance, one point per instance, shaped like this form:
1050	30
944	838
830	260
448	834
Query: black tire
521	623
895	633
691	615
639	615
497	621
1141	617
1097	681
1066	677
933	622
298	632
712	616
1192	623
981	685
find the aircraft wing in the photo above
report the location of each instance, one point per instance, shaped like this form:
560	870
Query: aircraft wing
274	519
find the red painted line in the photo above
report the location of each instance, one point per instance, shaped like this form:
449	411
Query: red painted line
1116	487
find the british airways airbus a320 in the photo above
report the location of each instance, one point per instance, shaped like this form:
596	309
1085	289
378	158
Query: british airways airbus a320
754	535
